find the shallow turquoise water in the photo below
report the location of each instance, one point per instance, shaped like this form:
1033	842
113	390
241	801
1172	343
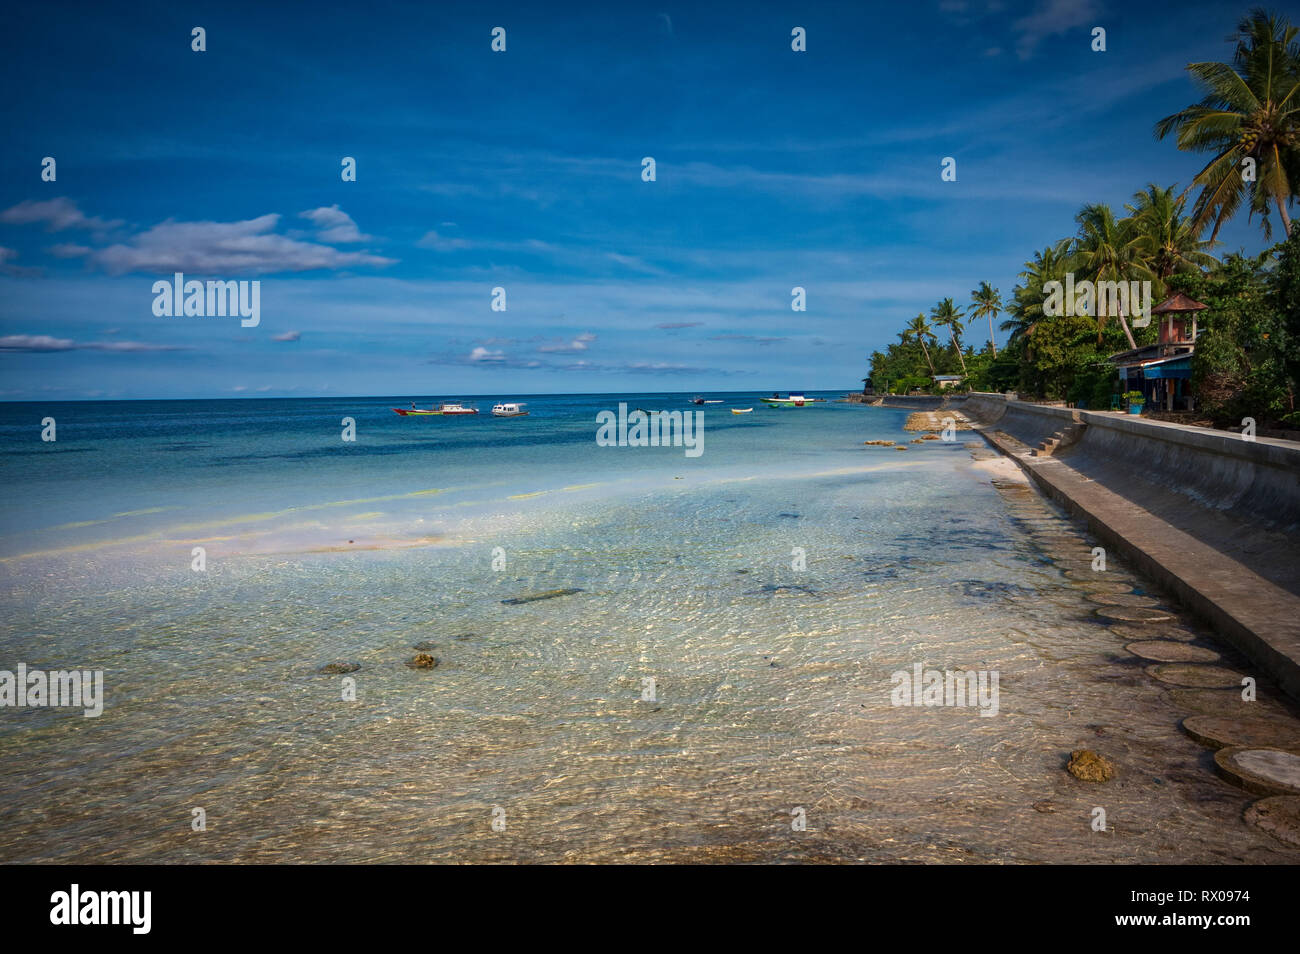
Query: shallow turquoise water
771	683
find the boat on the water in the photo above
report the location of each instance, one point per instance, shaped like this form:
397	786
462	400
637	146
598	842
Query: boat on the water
793	399
509	409
699	400
741	410
447	408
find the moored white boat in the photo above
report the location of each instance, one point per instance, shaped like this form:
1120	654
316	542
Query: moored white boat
509	409
794	399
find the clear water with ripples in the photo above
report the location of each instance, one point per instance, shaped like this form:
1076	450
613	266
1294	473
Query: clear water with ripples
772	685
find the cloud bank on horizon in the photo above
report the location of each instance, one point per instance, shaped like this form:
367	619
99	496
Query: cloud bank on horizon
521	172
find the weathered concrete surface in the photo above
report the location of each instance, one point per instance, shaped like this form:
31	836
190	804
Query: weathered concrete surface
1261	770
1211	517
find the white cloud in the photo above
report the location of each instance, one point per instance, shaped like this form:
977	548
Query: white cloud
7	255
247	247
35	344
32	343
56	214
335	225
440	243
577	344
1054	17
288	336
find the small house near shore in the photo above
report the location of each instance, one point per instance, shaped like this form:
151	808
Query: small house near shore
944	381
1163	371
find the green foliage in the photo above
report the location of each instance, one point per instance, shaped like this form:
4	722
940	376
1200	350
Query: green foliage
917	382
1247	359
1250	112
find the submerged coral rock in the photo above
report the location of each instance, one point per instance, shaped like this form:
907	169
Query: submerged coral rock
425	645
1087	765
423	661
545	595
338	668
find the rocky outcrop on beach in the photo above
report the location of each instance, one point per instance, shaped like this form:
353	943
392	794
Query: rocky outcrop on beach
936	421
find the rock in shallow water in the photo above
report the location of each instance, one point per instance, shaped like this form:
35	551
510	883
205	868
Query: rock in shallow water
1088	766
338	668
544	595
423	661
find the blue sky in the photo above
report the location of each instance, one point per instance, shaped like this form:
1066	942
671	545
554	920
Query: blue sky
522	170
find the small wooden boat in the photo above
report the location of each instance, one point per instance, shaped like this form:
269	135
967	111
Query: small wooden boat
448	408
509	409
741	410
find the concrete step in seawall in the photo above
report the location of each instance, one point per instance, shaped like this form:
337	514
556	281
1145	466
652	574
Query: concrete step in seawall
1065	437
1211	517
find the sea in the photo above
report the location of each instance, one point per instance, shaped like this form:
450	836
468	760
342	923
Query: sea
710	675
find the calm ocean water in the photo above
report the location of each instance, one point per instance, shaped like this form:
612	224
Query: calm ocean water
771	684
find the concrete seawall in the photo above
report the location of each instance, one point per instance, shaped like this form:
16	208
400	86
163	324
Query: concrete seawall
1212	517
1170	468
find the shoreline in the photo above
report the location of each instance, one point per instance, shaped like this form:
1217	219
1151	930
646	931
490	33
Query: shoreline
1219	546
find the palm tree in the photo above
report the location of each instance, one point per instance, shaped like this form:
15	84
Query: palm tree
1026	309
1018	323
947	315
920	330
1164	238
1251	110
986	302
1105	252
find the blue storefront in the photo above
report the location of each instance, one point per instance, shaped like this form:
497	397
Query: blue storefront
1165	382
